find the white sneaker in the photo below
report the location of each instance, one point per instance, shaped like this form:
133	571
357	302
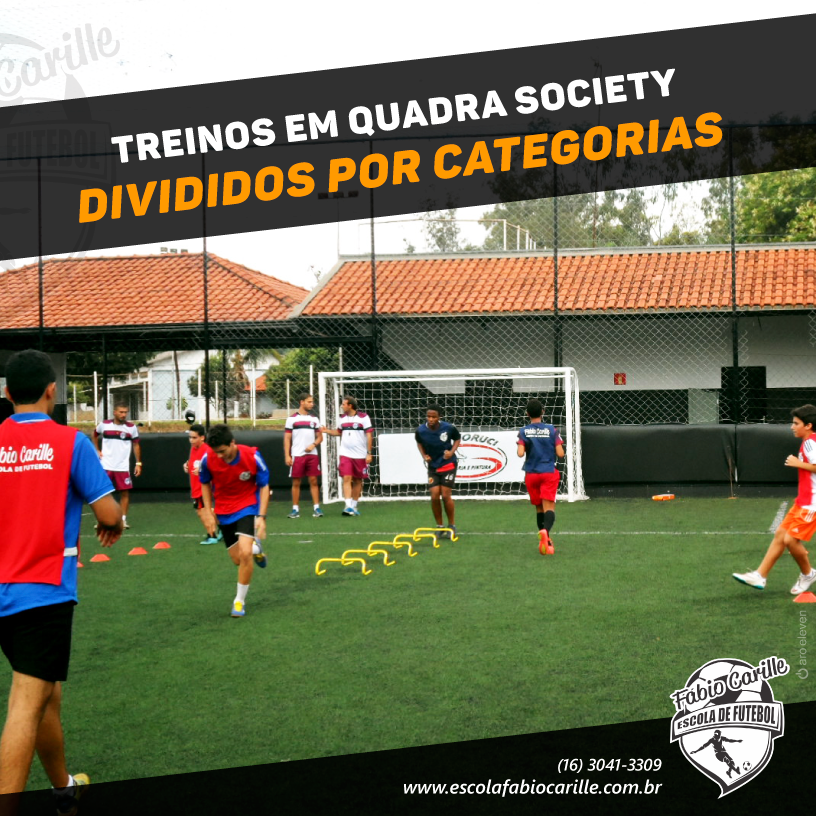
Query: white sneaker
753	579
803	582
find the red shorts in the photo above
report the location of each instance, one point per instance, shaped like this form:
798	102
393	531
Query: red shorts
308	465
121	479
356	468
800	523
542	486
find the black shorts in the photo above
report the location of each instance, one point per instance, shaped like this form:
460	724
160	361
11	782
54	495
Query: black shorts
444	477
198	504
37	641
244	526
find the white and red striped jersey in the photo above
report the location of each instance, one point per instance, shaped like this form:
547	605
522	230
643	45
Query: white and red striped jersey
353	431
304	428
806	497
117	441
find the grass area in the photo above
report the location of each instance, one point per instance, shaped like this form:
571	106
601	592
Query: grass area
482	637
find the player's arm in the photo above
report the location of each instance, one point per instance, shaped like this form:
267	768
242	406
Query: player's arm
97	440
329	431
796	462
287	447
108	520
704	745
457	439
420	448
726	739
318	440
262	481
207	515
137	450
559	451
521	446
369	444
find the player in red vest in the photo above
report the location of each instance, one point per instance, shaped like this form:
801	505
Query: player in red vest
799	525
239	479
198	449
47	471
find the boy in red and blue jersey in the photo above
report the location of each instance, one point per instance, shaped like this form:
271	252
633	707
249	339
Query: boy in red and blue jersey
541	443
47	471
237	478
799	525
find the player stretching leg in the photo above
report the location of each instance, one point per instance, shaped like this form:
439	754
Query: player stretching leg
719	751
240	480
437	442
540	443
799	524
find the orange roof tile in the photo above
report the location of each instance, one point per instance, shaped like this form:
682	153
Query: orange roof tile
659	280
142	290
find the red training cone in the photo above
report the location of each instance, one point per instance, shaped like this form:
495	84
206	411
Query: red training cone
162	545
80	564
138	551
100	557
805	597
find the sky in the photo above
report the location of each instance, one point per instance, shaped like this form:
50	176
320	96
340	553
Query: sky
168	43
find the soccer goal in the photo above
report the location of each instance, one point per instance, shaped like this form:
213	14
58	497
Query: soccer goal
488	406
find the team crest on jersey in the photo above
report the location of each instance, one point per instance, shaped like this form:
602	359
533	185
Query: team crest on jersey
727	719
245	476
443	437
122	435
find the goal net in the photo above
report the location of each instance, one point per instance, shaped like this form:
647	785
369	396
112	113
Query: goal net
488	406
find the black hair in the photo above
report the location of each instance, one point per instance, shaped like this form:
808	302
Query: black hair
219	435
352	401
199	429
535	410
807	413
303	396
434	407
120	404
28	374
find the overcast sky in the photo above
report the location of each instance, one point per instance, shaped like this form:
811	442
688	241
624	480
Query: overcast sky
167	43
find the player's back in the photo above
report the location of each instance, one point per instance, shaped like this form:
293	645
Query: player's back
540	440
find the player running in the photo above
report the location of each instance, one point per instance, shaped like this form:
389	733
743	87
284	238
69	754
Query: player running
356	437
437	442
114	439
719	751
239	477
540	443
301	437
799	524
198	449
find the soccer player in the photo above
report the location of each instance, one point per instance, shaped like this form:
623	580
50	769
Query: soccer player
239	477
540	443
301	436
437	442
47	471
716	742
114	439
356	437
198	449
799	524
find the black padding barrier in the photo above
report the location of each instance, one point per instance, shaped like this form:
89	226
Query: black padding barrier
761	453
621	454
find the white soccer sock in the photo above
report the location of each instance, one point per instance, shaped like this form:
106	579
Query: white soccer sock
242	592
349	504
317	507
296	508
70	785
354	504
256	548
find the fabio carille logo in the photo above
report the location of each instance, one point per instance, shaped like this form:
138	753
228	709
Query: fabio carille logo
479	457
727	719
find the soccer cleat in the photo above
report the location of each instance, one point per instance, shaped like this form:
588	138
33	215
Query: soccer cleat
294	514
260	558
67	802
348	512
125	525
545	545
803	582
238	610
355	511
752	579
212	539
318	513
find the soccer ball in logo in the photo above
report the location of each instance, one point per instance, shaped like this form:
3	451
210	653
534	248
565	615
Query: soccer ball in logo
758	692
746	766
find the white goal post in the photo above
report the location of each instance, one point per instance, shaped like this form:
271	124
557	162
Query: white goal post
487	406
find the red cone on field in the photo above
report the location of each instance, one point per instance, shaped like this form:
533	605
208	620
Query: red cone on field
100	557
138	551
162	545
805	597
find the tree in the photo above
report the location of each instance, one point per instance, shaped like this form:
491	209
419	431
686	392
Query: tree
119	362
295	367
777	207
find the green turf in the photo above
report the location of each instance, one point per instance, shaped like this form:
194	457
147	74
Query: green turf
480	638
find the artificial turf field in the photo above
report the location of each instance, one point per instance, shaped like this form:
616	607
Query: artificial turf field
482	637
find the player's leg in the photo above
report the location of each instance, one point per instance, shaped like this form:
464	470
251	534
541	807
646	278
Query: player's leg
758	577
124	503
208	539
356	493
50	743
807	575
447	501
295	498
347	495
28	699
314	489
436	504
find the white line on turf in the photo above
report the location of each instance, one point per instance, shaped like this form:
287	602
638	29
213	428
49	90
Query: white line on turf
780	514
559	533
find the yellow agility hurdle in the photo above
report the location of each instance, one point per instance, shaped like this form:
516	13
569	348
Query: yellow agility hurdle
401	540
372	551
345	562
427	532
